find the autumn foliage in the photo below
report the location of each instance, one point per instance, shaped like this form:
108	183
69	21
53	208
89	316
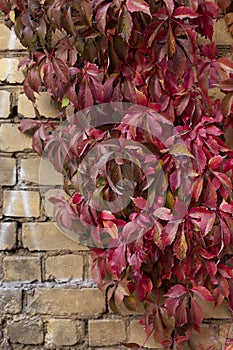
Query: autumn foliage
150	54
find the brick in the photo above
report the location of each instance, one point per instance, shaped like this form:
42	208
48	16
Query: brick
26	331
208	336
86	302
64	332
46	105
225	333
9	71
64	267
25	107
137	335
9	40
7	171
12	140
10	301
216	312
221	34
39	171
21	203
107	332
7	235
46	236
20	268
4	104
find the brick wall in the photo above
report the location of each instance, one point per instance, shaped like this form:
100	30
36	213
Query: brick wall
47	297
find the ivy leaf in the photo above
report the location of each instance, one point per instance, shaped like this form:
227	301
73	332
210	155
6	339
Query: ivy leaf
101	17
203	293
125	24
196	314
138	6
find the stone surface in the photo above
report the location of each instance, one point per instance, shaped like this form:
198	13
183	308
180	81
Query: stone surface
46	105
7	171
25	107
7	235
137	335
211	311
64	332
64	267
46	236
21	203
86	302
207	337
4	103
26	331
20	268
9	71
221	34
10	301
12	140
9	40
107	332
39	171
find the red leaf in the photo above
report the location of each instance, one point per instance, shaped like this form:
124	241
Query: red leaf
203	293
185	12
181	313
125	24
196	314
176	291
138	5
170	6
101	17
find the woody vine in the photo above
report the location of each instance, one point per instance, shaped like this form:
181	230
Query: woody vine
149	54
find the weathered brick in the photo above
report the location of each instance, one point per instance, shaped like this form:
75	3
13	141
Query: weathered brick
207	337
7	235
64	332
64	267
211	311
25	107
10	301
221	34
7	171
47	236
225	333
26	331
86	302
46	105
9	71
39	171
12	140
21	203
107	332
9	40
4	104
137	335
20	268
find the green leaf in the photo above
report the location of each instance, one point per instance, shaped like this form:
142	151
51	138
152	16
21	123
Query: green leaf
125	24
65	102
180	150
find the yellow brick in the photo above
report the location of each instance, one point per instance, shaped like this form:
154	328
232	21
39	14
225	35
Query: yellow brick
64	332
4	104
106	332
12	140
7	235
10	301
21	203
211	311
207	337
26	331
64	267
9	71
9	40
86	302
20	268
46	236
221	34
46	105
138	335
25	107
7	171
39	171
